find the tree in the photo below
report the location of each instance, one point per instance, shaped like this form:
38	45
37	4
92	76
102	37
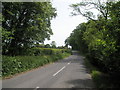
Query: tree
76	38
26	23
53	44
101	39
66	42
87	9
47	46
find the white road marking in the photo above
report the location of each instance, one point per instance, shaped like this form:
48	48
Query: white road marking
69	63
59	71
36	88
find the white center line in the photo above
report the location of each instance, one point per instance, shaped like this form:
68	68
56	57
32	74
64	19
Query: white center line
69	63
36	88
59	71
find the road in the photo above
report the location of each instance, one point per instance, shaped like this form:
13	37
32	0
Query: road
67	73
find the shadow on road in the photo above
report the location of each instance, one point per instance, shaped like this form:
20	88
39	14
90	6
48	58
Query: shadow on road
75	52
84	80
81	83
74	58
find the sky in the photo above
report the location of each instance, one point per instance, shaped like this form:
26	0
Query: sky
64	23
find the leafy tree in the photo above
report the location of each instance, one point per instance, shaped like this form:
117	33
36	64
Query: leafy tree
24	24
87	9
100	39
47	46
76	38
53	44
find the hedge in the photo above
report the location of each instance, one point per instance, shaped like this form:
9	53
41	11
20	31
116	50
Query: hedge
48	51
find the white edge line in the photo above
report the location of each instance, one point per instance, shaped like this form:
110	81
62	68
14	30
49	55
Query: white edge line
59	71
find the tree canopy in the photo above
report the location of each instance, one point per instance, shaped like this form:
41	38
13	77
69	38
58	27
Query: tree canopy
25	23
87	9
100	39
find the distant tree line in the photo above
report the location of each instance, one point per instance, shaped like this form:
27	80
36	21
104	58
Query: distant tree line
51	45
99	38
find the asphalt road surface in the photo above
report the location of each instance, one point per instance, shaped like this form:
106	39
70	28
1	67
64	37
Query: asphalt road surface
67	73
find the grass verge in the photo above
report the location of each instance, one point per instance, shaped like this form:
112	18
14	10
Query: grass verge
103	81
18	64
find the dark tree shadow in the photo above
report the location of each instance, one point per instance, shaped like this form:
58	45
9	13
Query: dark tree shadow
81	83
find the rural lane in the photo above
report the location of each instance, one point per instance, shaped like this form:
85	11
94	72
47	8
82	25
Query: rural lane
67	73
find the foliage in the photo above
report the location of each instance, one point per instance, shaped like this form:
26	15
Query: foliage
87	9
99	40
47	51
25	23
102	80
47	46
53	44
76	42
